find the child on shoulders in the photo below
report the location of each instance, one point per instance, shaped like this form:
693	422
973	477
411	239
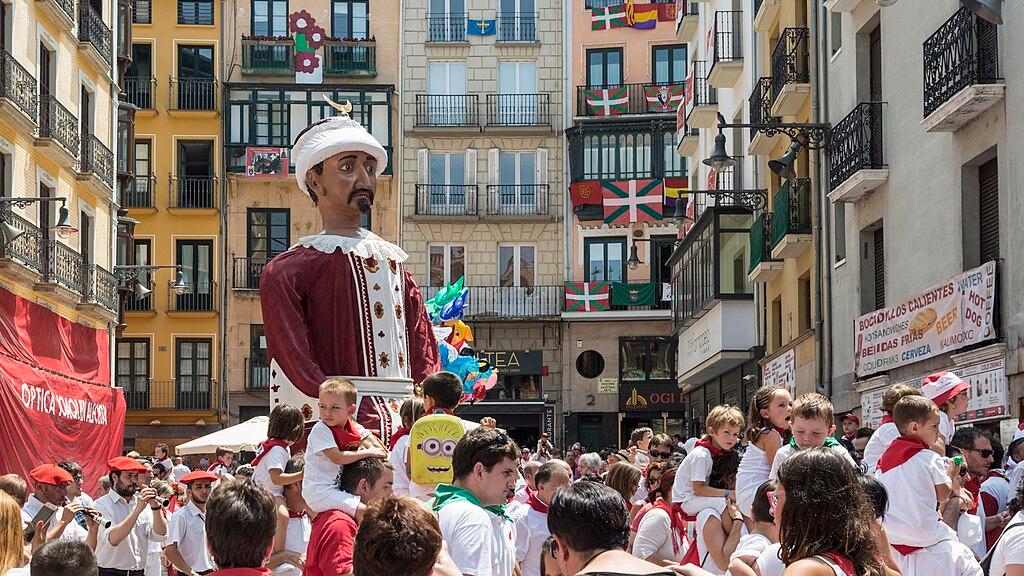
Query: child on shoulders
691	489
768	429
285	428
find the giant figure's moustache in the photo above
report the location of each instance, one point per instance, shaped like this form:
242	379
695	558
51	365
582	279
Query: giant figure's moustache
363	203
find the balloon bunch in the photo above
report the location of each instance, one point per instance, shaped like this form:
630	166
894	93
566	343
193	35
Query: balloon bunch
446	310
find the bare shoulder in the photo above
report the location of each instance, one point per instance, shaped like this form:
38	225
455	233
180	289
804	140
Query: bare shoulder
809	567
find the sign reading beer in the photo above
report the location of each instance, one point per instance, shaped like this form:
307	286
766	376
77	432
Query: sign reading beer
946	317
515	361
657	396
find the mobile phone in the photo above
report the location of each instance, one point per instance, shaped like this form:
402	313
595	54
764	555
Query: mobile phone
43	515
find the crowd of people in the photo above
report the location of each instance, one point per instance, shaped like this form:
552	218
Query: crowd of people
775	491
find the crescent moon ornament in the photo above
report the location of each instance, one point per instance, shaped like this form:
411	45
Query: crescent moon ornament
345	108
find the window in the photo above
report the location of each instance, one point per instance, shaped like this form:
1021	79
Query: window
646	358
446	86
195	257
446	264
804	303
268	232
350	19
447	177
138	85
194	182
446	21
835	31
516	266
590	364
872	270
195	12
272	124
675	163
517	21
195	84
133	371
6	166
988	210
517	173
604	258
668	64
604	67
142	255
270	18
192	373
839	228
142	12
776	328
517	92
259	362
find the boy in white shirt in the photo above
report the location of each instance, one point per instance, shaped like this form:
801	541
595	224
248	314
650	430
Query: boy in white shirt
887	431
812	423
410	411
690	488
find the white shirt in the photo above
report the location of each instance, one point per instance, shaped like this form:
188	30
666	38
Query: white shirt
131	553
938	559
1010	548
753	471
187	528
319	473
522	492
73	531
168	465
531	532
654	537
275	459
295	540
695	467
998	487
751	546
768	563
912	519
788	450
397	457
480	543
946	427
878	443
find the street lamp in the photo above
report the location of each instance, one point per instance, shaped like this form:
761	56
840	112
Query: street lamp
62	228
720	160
634	258
784	166
813	135
128	272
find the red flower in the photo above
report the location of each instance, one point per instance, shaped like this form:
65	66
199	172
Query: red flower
306	62
315	36
300	21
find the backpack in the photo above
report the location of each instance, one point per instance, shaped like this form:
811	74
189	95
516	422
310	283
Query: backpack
432	441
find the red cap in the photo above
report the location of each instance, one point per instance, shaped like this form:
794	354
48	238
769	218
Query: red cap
125	464
196	476
50	474
850	416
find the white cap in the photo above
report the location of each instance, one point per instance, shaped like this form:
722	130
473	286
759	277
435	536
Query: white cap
942	386
332	136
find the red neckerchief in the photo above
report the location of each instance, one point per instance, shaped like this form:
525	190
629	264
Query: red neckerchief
296	514
843	562
1020	426
536	503
402	431
901	450
173	504
782	431
216	464
904	549
887	419
706	443
439	410
678	518
345	435
850	437
974	487
265	448
996	474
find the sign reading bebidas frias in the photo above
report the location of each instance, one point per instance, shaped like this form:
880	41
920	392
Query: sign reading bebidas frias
946	317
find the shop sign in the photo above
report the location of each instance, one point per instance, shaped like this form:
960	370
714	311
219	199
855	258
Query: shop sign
728	326
781	372
549	421
607	386
263	162
642	396
515	361
946	317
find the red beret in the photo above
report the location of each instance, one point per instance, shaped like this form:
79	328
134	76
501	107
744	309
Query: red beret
850	416
196	476
125	464
50	474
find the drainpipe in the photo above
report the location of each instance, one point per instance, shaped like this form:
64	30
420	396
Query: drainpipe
223	408
760	304
822	225
568	228
397	139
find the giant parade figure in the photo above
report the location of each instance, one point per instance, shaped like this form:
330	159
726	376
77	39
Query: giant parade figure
341	302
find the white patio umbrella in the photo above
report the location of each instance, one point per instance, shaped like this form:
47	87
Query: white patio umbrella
244	436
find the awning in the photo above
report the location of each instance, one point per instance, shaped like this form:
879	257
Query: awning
244	436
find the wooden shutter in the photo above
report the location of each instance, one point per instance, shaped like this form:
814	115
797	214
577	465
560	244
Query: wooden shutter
471	166
879	242
875	61
988	209
421	166
542	166
492	167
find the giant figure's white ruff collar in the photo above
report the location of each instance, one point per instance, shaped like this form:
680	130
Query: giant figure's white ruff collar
365	245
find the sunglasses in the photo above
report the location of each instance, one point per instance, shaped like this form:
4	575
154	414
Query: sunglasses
773	501
984	453
656	454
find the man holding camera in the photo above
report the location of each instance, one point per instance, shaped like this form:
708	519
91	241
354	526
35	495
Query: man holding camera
136	519
51	487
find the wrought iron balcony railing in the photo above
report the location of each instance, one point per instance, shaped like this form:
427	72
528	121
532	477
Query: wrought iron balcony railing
856	143
91	29
760	101
790	60
350	58
517	199
760	240
704	94
193	94
140	193
517	27
518	110
26	248
247	272
64	266
66	7
257	374
646	98
58	123
447	110
449	27
186	393
97	159
446	200
102	288
133	304
193	192
792	209
511	301
19	86
140	92
964	51
728	34
200	297
270	56
624	151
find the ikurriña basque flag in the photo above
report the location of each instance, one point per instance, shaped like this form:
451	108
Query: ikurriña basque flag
629	201
481	27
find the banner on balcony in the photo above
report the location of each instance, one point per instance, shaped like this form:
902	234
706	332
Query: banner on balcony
645	16
55	396
665	98
687	97
629	201
266	162
309	38
633	294
676	190
607	101
586	296
609	17
585	193
667	12
481	27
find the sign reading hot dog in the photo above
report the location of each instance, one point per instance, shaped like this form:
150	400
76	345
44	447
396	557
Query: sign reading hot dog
946	317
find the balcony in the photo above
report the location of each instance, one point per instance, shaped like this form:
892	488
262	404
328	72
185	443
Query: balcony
96	164
193	95
727	53
448	111
519	111
186	394
764	14
446	28
517	27
94	38
689	20
18	94
193	193
24	256
64	272
448	200
687	137
62	11
961	72
791	220
268	56
624	151
200	297
140	92
517	200
58	131
791	73
701	102
257	374
133	304
101	293
763	268
761	112
246	273
856	162
629	99
350	58
511	302
139	195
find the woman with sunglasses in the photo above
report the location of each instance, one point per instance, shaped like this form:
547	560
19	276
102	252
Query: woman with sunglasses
650	483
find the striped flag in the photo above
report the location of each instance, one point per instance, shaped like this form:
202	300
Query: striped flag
665	98
608	18
676	190
607	101
631	201
645	16
586	296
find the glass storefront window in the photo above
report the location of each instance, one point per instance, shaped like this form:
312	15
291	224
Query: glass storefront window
647	358
516	387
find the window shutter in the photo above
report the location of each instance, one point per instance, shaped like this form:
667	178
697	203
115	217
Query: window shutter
492	167
542	166
875	62
988	209
421	166
879	269
471	166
